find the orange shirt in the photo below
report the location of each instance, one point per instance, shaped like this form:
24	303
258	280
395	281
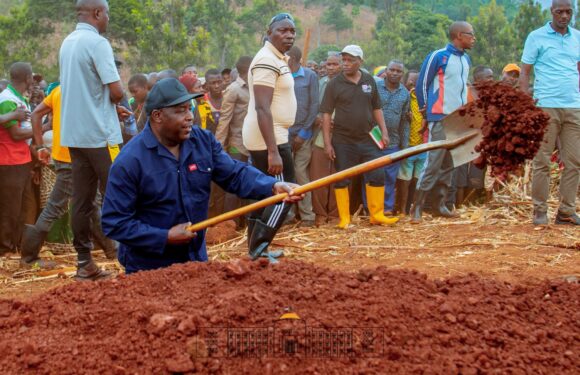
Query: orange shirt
59	152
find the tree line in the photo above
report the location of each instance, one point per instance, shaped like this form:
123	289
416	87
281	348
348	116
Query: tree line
408	31
155	34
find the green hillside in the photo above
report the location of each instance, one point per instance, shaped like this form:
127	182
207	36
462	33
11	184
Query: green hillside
155	34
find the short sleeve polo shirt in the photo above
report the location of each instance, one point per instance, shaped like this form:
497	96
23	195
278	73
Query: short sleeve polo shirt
270	68
88	117
555	59
353	105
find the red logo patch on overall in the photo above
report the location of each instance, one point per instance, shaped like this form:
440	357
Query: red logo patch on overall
192	167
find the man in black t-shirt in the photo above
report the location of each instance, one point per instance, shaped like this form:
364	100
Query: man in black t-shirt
353	98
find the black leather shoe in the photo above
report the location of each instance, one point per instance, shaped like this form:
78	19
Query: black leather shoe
563	219
91	272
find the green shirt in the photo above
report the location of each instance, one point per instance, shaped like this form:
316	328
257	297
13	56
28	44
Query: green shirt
7	106
13	152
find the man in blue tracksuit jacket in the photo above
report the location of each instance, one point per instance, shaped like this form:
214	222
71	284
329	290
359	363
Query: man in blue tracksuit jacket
441	89
160	183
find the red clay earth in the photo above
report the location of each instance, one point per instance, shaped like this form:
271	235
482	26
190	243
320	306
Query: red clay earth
375	321
222	232
513	127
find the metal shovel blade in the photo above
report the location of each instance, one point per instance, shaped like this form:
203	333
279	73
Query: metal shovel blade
456	126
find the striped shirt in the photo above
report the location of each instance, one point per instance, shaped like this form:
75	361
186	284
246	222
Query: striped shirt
442	83
270	68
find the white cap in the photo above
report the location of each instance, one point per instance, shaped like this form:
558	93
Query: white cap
353	50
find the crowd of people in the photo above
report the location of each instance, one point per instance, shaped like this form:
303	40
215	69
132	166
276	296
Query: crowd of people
137	167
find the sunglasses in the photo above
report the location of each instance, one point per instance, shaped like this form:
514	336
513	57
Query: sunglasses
281	17
470	34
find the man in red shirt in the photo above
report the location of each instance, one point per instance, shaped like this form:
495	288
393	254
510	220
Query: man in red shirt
15	157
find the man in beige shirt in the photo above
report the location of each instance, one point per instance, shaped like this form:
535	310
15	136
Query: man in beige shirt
229	131
271	111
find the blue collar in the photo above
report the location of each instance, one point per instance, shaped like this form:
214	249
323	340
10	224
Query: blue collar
299	72
151	142
149	138
86	26
550	29
451	48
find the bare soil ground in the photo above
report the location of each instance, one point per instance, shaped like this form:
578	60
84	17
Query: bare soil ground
484	242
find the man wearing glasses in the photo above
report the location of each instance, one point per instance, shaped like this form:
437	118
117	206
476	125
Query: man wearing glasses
441	89
271	111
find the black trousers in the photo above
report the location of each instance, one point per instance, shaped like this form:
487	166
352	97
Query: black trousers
273	216
90	169
13	182
349	155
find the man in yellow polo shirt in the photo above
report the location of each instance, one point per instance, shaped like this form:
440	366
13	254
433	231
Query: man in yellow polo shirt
58	202
271	111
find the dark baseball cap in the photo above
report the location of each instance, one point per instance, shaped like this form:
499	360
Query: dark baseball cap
167	93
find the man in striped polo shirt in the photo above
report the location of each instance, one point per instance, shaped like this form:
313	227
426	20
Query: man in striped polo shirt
271	111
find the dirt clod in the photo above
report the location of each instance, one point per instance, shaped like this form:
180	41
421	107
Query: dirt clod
237	269
179	365
222	232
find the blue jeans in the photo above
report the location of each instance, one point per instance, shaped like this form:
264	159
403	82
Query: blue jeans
58	201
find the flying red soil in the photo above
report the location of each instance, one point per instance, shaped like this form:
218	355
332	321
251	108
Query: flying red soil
513	127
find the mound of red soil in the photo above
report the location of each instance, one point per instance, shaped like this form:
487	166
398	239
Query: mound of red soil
221	233
225	318
513	127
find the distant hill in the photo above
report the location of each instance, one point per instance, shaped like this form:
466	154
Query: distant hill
320	34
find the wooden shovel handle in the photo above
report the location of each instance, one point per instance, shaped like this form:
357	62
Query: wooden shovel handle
332	179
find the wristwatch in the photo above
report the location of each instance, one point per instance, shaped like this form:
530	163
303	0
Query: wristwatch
39	147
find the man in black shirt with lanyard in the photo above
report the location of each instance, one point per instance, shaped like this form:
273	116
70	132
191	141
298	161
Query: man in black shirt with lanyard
355	101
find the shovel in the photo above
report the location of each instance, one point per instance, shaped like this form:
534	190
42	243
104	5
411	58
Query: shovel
462	132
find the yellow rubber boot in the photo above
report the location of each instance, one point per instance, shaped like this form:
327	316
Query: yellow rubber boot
343	205
376	204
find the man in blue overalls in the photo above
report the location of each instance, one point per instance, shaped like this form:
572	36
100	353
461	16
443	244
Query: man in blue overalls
160	184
